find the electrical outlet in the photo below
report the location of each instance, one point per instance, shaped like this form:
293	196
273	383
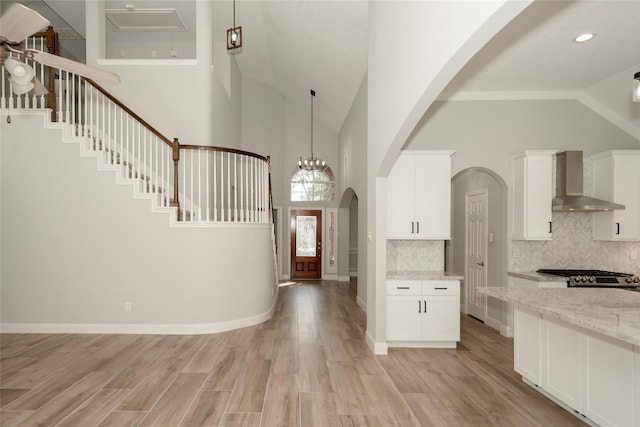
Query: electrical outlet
127	306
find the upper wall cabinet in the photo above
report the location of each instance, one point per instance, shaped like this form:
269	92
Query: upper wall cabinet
532	184
419	196
616	178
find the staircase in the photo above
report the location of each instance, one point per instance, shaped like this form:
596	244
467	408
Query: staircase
177	282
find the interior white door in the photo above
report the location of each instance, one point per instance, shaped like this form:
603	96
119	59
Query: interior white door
476	242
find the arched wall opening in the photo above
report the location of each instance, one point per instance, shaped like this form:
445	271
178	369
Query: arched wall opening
464	182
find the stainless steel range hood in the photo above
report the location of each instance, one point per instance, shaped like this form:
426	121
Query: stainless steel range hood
569	187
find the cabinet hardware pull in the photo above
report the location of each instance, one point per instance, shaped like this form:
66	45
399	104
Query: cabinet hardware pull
419	306
418	227
402	287
411	227
617	228
442	288
425	306
550	227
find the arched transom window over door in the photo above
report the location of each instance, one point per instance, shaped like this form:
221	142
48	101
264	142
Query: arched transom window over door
312	185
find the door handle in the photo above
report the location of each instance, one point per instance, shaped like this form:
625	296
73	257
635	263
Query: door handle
481	263
617	228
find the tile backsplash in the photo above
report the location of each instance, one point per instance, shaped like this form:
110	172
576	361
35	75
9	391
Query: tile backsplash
572	247
415	255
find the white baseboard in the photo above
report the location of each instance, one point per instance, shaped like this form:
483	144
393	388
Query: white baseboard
344	278
376	347
494	323
330	277
506	331
140	328
353	273
361	303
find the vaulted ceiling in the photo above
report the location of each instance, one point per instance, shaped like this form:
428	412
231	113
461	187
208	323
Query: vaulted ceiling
297	45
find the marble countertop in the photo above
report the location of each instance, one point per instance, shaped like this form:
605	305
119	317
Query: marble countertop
611	312
422	275
538	277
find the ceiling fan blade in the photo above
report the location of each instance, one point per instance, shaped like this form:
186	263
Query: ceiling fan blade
38	88
75	67
19	22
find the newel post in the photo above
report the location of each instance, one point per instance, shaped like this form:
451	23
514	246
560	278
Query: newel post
176	163
51	39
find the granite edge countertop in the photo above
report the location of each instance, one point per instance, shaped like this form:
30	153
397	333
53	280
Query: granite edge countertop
422	275
538	277
611	312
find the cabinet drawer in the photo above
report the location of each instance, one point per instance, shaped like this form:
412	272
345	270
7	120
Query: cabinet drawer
403	287
441	287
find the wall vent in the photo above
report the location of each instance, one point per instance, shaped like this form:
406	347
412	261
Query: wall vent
145	20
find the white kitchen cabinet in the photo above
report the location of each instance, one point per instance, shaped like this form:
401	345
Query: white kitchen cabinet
562	362
423	313
419	196
532	185
594	375
609	397
527	350
616	178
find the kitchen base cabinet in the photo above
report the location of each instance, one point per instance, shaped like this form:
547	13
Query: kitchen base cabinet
423	313
589	373
609	398
527	353
562	368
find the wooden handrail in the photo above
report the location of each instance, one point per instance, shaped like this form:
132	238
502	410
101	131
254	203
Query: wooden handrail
52	45
226	150
132	114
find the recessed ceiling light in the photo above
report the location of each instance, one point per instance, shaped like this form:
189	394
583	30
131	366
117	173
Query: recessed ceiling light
584	37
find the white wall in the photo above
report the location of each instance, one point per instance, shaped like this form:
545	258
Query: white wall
76	246
491	133
197	101
438	38
353	176
273	125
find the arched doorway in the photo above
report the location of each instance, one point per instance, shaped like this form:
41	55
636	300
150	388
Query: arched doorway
466	186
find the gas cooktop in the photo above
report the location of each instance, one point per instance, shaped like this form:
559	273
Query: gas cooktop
595	278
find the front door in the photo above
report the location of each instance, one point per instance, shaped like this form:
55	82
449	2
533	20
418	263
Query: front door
476	275
306	244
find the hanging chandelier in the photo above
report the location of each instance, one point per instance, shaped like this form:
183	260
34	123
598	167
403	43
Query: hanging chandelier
312	163
234	34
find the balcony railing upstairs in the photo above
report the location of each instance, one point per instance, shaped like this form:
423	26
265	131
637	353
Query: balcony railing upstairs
205	183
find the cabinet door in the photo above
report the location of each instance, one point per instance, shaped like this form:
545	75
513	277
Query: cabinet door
400	198
441	319
562	361
433	196
403	318
532	184
527	355
616	176
609	389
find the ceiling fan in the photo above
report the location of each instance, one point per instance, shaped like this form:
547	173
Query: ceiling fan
20	22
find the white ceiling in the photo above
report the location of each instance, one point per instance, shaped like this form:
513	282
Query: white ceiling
297	45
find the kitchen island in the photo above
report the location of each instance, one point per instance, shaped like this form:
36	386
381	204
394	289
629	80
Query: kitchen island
581	348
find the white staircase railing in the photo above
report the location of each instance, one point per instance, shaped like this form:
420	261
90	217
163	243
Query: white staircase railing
205	183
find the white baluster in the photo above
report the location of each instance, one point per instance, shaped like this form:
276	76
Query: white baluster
207	186
215	186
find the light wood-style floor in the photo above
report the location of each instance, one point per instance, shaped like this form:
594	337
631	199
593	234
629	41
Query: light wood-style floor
307	366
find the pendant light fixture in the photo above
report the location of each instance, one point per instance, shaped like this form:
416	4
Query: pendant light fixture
636	87
234	34
312	163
